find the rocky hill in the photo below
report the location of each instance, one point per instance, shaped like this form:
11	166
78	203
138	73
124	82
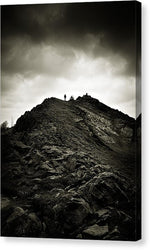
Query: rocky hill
68	171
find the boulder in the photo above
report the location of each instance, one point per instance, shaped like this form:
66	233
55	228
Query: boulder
108	188
20	223
95	231
71	213
5	201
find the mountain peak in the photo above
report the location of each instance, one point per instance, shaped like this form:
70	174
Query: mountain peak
79	123
66	165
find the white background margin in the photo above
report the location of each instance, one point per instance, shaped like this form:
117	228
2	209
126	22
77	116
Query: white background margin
44	244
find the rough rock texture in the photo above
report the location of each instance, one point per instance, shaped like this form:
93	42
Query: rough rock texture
68	170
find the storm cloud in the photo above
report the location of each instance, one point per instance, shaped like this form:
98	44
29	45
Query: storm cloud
52	49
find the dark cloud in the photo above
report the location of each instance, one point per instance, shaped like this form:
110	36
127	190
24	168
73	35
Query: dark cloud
112	23
29	60
76	19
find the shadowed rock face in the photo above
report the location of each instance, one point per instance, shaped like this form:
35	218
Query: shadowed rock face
68	170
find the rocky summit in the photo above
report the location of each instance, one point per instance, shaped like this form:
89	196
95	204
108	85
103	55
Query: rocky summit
69	171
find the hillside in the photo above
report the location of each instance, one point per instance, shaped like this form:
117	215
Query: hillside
68	171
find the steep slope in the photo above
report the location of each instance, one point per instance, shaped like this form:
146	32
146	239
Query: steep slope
68	170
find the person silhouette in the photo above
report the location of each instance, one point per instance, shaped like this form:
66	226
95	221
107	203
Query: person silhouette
65	97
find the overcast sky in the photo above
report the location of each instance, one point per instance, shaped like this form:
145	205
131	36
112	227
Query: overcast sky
73	49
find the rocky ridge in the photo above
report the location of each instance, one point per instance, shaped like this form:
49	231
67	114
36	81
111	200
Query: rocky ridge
68	171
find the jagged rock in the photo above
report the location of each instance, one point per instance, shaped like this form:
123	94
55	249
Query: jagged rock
108	188
18	212
113	235
5	201
72	211
37	180
95	231
19	223
68	171
102	212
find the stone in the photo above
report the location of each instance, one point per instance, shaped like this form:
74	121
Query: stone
79	236
96	231
75	178
5	201
37	180
44	166
18	212
102	212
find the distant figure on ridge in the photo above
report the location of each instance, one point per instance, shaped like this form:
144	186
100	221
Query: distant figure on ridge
71	98
65	97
